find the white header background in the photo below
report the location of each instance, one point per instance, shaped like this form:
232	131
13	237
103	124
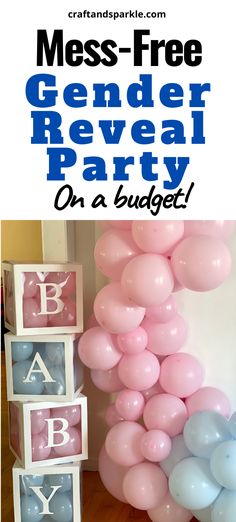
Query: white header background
27	194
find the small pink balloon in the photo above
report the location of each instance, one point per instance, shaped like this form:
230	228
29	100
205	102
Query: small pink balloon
166	338
112	475
133	342
72	447
145	485
123	443
71	413
30	281
10	310
155	445
112	416
154	390
66	281
139	372
164	312
155	236
31	315
201	263
147	280
115	312
219	228
208	398
113	250
166	413
91	322
130	404
107	380
67	317
124	225
37	420
97	349
169	511
40	449
181	374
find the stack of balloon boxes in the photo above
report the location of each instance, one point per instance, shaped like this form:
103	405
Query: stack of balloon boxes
47	412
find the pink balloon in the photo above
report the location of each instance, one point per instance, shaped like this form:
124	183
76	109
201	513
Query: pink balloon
31	317
112	416
123	443
147	279
133	342
155	445
40	449
113	250
181	374
66	281
67	317
221	229
112	475
130	404
154	390
145	485
166	413
166	338
97	349
157	237
164	312
91	322
107	380
72	447
124	225
30	280
115	312
201	263
139	372
208	398
37	420
71	413
169	511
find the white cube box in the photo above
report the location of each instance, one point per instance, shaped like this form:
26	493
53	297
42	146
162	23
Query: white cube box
43	298
51	493
41	368
47	433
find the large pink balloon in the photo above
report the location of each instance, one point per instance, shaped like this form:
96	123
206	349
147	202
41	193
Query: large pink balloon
139	372
37	420
123	443
169	511
147	279
130	404
115	312
40	449
31	317
221	229
166	413
30	280
155	445
201	263
166	338
123	224
163	312
133	342
71	413
157	236
67	317
112	416
181	374
113	250
107	380
72	447
145	486
112	475
208	398
97	349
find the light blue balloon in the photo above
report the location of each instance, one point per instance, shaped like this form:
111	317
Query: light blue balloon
224	509
179	451
232	425
19	373
204	515
64	480
21	351
223	464
30	509
55	352
30	480
59	386
61	507
203	432
192	485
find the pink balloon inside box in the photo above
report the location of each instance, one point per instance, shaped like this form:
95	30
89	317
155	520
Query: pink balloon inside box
48	433
43	298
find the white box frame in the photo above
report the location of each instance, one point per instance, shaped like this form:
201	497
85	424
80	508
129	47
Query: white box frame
68	340
25	409
16	269
73	469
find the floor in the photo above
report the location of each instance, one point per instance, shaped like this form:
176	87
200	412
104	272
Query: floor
98	506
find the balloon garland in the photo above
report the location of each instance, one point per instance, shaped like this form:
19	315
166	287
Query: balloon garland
132	349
